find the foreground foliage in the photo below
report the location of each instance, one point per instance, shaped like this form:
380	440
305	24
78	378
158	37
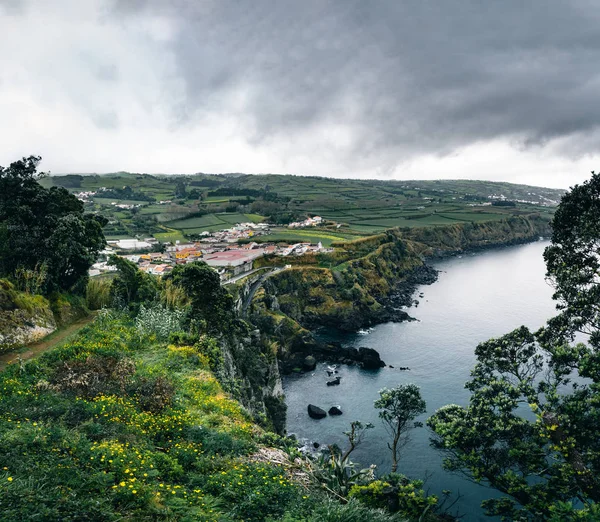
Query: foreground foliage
47	243
531	428
119	425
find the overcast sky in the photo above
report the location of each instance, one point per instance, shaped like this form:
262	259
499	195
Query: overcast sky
501	90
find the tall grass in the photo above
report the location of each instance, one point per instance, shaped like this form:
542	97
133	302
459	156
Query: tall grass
172	296
97	293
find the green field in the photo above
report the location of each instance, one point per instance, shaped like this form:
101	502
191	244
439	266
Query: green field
314	236
362	207
212	222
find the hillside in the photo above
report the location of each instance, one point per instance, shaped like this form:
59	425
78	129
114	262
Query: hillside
177	206
118	424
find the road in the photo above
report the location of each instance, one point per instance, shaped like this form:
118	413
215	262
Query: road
50	341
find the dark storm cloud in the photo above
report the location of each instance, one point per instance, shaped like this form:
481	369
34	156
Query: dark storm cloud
412	76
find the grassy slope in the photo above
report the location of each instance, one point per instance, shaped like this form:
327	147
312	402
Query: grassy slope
116	426
362	206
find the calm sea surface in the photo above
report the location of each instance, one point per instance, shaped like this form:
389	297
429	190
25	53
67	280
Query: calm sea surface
477	296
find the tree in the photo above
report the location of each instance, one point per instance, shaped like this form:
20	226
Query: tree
210	302
399	407
45	228
131	286
180	191
531	427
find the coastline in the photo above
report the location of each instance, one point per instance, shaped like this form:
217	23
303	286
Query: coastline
395	308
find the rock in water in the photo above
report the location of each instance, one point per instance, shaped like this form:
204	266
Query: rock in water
309	364
334	410
369	359
334	382
315	412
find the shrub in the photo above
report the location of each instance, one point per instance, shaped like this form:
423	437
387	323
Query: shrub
95	375
396	493
328	510
158	320
153	394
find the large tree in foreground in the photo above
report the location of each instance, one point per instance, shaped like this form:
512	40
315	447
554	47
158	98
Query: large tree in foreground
532	428
45	230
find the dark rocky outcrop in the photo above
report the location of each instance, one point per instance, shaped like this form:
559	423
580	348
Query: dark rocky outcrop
369	359
334	410
333	382
333	353
315	412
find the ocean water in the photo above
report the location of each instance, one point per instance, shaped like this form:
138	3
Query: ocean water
477	296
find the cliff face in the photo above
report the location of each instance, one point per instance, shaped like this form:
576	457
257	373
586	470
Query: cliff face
364	282
441	241
249	371
23	318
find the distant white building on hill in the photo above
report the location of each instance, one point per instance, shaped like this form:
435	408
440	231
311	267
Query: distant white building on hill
130	244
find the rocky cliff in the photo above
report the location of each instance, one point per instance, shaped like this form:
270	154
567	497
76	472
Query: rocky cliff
369	281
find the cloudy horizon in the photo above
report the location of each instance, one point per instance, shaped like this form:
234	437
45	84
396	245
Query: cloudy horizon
503	91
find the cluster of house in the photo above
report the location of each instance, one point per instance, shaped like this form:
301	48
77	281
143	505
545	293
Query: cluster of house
125	205
235	233
228	260
309	222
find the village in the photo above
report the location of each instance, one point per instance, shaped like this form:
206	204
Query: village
231	252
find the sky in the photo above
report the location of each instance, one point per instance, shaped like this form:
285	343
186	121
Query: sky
389	89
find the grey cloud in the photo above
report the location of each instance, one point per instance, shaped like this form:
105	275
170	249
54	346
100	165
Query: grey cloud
408	76
12	7
107	72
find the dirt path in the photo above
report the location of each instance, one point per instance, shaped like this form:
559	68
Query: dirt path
50	341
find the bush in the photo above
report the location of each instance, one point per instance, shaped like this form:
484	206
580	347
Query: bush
158	320
353	511
396	493
153	394
93	376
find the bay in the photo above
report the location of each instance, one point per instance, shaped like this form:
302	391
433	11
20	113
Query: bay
477	296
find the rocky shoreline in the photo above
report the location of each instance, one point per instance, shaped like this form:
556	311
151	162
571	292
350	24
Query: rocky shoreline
313	351
394	305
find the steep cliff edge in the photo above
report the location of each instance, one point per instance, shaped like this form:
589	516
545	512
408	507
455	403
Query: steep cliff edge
370	280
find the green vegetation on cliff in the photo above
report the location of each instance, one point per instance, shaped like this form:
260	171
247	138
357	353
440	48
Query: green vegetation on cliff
132	420
351	287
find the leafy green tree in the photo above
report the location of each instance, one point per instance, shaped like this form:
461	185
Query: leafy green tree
45	228
131	286
210	304
531	427
399	407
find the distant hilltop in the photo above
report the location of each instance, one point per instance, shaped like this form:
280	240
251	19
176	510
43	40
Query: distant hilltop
186	207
